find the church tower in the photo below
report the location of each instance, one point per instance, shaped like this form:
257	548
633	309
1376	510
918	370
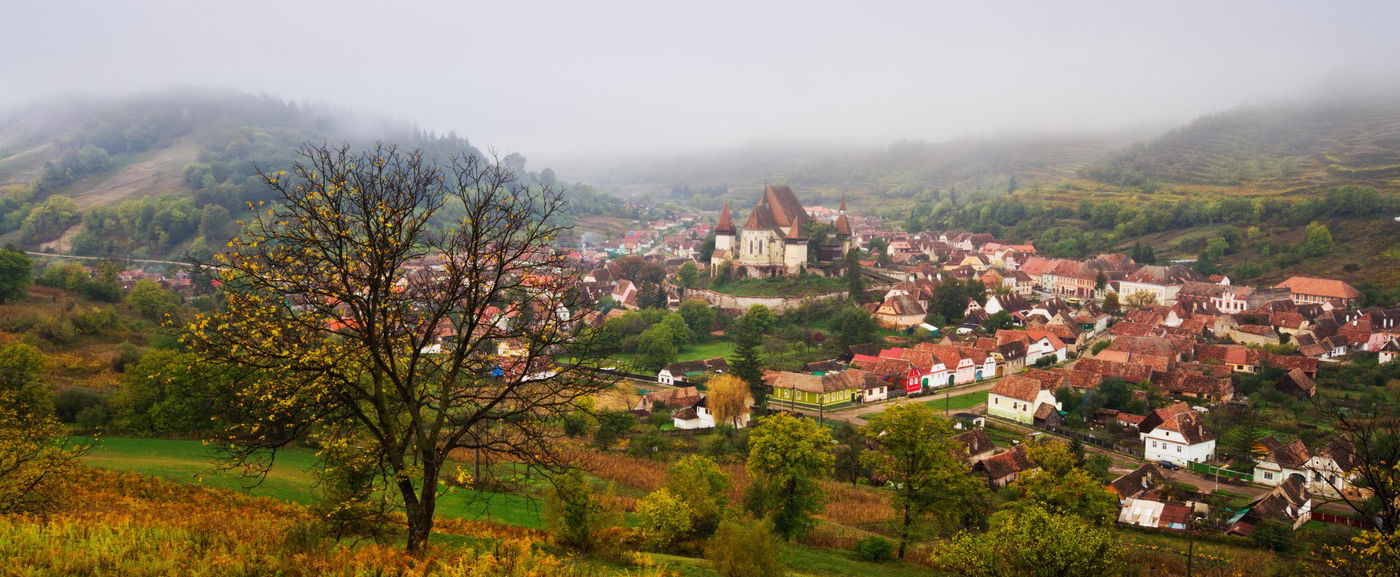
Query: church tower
725	234
795	249
724	231
843	229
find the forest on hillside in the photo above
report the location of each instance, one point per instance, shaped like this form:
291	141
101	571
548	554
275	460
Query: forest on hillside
234	135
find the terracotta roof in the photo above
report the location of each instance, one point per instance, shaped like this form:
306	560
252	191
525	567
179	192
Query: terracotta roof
827	383
1291	455
1044	410
726	223
1014	461
975	442
1298	380
1142	479
1183	420
1343	451
1322	287
1018	387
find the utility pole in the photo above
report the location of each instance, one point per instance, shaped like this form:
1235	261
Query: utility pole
1190	541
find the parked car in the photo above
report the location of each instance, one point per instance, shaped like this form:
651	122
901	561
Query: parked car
1168	465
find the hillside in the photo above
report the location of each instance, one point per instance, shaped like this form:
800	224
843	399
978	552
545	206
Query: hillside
1298	148
163	172
865	176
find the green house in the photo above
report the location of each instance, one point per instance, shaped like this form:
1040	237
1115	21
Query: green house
818	392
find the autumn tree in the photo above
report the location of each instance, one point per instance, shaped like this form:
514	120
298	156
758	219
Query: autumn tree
913	449
787	456
1061	486
728	400
699	483
1030	542
37	457
1140	299
332	313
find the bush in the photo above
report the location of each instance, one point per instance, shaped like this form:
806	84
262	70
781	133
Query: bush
875	549
1274	536
745	548
69	402
573	514
664	519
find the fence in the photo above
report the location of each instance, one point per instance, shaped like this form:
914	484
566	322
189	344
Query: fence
1338	520
1205	469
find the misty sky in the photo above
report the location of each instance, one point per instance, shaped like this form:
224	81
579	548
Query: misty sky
569	79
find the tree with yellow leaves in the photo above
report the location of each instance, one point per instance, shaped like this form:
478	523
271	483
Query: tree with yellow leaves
363	307
728	400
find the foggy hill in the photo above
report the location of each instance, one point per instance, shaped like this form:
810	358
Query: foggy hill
897	172
149	174
1297	147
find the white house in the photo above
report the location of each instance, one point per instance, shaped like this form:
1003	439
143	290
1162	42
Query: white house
1332	468
698	416
1017	397
1282	462
1176	434
1390	352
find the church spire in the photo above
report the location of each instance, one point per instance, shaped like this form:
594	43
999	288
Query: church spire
726	222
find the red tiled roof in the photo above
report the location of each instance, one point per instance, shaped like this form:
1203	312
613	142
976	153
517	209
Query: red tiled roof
1322	287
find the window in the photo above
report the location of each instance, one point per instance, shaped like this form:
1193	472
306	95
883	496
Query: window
1268	476
1178	448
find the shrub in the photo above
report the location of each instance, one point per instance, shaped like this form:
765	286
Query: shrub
664	519
745	548
650	445
876	549
1274	536
572	513
69	402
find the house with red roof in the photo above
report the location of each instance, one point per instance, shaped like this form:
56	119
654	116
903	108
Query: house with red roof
1304	289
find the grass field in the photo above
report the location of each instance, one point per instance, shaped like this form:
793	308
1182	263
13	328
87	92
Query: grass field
954	403
783	287
290	479
692	352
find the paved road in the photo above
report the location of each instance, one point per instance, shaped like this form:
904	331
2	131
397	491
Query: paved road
103	258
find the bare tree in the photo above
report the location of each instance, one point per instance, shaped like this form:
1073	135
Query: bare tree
1365	450
366	308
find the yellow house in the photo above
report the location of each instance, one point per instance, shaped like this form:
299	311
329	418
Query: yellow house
827	391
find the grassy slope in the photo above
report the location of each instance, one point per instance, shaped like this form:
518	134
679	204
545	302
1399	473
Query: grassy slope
290	479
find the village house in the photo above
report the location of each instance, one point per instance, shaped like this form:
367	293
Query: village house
1281	461
698	416
1304	289
1161	282
1333	469
1297	382
1007	467
1289	502
977	445
1019	397
669	398
901	312
1176	434
817	392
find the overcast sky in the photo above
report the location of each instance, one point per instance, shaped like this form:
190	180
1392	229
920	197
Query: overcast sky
567	79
